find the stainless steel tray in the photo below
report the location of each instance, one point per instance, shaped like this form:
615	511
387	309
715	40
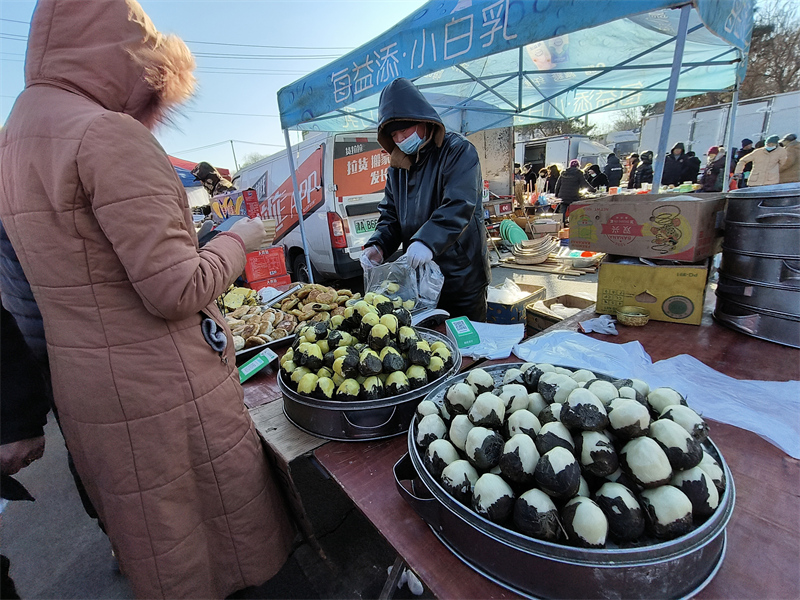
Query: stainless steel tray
780	271
764	204
532	567
770	297
758	323
763	240
246	354
362	420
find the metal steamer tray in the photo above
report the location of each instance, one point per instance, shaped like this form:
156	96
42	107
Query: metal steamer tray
367	419
535	568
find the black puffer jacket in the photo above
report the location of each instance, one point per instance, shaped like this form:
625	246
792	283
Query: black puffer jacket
24	406
434	197
644	172
570	184
674	167
19	301
613	170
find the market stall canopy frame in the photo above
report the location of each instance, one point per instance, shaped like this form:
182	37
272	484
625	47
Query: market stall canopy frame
485	64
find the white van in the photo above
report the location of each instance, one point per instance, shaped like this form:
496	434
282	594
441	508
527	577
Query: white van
341	177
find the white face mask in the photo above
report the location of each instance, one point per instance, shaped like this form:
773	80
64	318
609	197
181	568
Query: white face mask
771	148
411	144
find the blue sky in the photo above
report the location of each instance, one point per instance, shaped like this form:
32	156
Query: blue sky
235	85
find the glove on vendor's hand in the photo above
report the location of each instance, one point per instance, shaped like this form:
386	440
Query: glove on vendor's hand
372	256
419	254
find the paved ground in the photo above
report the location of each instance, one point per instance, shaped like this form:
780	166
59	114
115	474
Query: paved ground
57	551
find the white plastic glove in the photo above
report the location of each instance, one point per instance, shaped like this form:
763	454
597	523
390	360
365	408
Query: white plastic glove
372	256
419	254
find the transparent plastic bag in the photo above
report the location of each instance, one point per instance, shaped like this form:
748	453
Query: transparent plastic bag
430	281
398	280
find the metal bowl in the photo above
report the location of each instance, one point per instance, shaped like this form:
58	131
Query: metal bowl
633	316
366	419
535	568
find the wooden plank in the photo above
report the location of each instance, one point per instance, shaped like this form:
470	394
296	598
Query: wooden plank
510	263
262	388
364	471
286	440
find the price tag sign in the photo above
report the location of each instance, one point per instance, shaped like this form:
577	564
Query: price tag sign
255	364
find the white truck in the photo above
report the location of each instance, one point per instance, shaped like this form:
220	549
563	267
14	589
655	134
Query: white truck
559	150
701	128
341	178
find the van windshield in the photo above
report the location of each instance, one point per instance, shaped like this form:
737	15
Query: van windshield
359	165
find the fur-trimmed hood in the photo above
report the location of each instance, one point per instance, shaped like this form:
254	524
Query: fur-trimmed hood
402	101
109	51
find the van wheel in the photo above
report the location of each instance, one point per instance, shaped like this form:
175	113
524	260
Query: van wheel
300	269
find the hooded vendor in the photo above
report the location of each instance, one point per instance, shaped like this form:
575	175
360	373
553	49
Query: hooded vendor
432	203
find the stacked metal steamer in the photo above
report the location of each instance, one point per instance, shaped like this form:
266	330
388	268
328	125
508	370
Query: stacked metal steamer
759	284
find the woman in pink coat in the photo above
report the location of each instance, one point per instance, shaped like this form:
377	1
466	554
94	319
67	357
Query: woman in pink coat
152	414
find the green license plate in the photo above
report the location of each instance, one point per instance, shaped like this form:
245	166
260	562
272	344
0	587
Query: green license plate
366	225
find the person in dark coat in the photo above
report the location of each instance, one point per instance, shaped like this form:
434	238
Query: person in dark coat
552	179
747	148
18	300
432	202
23	415
674	166
713	176
633	162
595	178
569	185
613	170
693	165
529	173
644	172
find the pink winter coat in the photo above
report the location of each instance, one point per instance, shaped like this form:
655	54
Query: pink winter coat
153	416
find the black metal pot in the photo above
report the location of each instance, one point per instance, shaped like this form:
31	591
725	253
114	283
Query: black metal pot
535	568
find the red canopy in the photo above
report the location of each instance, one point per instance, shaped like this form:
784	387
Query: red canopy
188	165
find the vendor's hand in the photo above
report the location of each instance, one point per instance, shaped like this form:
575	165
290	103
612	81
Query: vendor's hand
372	256
419	254
252	233
17	455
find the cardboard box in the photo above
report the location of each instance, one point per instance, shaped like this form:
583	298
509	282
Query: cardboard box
270	282
265	264
672	293
539	321
670	226
506	314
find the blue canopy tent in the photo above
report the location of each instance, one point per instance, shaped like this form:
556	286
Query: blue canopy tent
495	63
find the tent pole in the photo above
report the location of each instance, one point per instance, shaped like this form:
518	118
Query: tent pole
298	204
235	162
666	123
726	182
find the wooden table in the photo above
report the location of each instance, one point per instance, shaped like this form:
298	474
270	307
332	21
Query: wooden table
763	534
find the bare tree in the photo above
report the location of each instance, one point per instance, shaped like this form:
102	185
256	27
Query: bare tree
548	128
774	59
251	158
773	62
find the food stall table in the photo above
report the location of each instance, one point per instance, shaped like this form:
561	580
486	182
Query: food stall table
764	531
